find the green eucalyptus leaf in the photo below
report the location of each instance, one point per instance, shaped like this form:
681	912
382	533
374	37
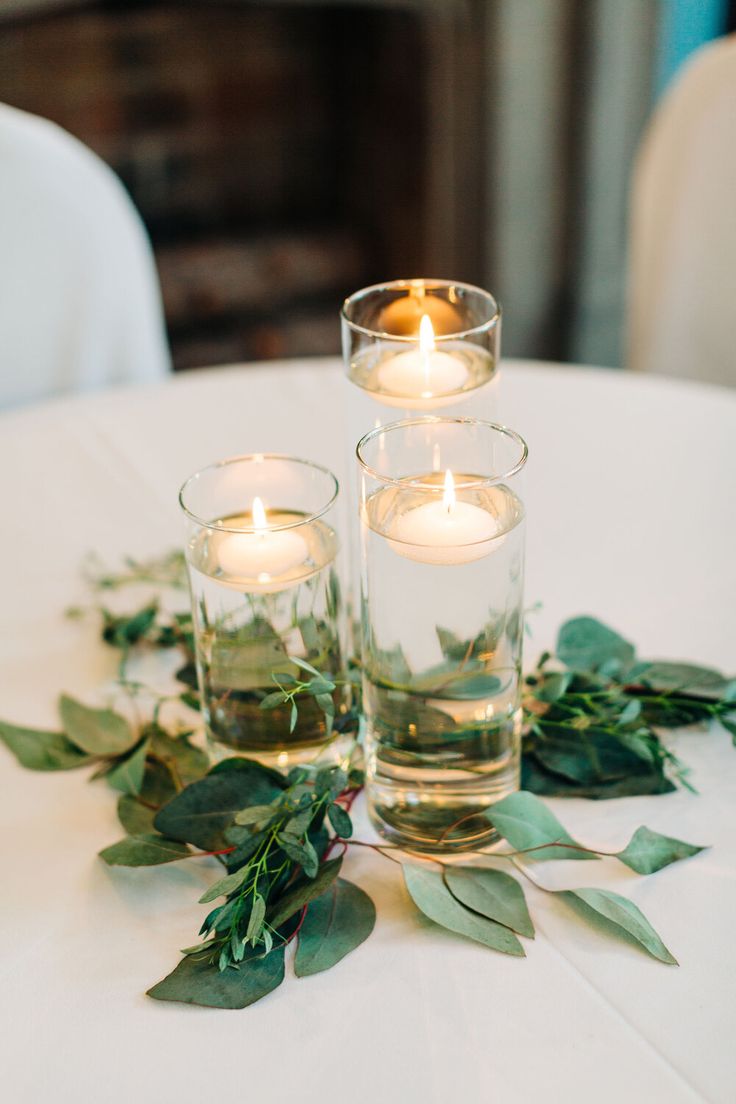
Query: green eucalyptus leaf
201	812
278	697
302	892
255	922
96	731
586	644
301	852
525	822
553	686
340	821
239	763
336	923
225	886
430	894
629	713
293	717
196	981
136	818
305	666
610	910
36	749
492	893
147	850
254	815
158	785
127	775
184	760
648	851
685	678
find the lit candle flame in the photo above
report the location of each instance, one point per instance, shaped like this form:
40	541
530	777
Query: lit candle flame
426	335
448	498
260	521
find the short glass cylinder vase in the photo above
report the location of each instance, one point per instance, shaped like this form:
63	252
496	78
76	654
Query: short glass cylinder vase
442	575
262	554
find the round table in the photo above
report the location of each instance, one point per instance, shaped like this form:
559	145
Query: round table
631	505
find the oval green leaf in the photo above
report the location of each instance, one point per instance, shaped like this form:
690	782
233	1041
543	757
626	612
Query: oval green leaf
430	894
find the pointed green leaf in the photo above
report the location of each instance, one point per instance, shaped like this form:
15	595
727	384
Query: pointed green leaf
648	851
305	666
224	886
96	731
135	817
196	981
606	909
685	678
523	820
430	894
36	749
127	775
255	922
493	894
304	891
148	850
585	644
187	762
335	924
200	812
340	821
255	814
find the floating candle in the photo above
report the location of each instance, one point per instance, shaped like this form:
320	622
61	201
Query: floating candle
404	314
446	532
423	373
262	555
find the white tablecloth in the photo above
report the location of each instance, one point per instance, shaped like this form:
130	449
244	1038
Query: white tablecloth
631	517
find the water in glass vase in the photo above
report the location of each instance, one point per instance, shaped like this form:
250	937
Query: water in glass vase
260	600
442	637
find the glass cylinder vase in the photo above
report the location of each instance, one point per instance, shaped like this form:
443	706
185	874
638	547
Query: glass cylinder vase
442	570
261	554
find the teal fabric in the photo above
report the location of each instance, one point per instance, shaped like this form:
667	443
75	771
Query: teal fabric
685	25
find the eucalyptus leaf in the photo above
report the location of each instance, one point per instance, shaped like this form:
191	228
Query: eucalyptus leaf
685	678
586	644
184	760
301	852
525	822
336	923
223	887
430	894
146	850
648	851
254	814
340	821
196	981
96	731
303	891
255	922
606	909
492	893
200	812
127	775
39	750
136	818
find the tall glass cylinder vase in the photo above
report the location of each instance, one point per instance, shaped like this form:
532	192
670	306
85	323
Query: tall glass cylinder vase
417	347
262	553
442	569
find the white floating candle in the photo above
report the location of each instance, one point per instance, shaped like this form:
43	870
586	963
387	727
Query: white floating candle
446	532
263	555
422	373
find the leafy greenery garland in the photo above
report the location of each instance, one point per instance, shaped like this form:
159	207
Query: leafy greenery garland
282	838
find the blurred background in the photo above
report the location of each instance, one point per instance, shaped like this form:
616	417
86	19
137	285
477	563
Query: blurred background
283	154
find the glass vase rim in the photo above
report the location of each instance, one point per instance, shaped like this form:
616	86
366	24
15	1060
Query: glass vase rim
257	457
465	484
411	339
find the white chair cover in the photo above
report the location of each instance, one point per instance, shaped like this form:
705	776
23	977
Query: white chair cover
80	305
682	273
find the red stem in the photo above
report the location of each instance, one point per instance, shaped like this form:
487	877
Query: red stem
297	929
223	851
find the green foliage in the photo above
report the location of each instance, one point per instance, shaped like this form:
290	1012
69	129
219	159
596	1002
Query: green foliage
592	727
648	851
429	893
36	749
611	911
127	775
491	893
201	812
146	850
337	922
195	982
527	823
96	731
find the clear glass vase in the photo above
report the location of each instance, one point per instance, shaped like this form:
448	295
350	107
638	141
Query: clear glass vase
262	553
442	571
